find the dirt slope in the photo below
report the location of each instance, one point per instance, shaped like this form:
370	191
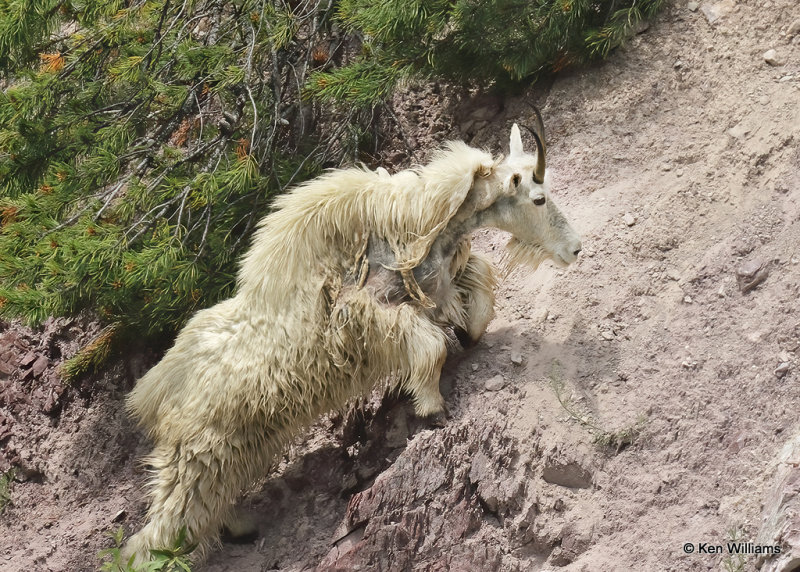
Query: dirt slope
678	161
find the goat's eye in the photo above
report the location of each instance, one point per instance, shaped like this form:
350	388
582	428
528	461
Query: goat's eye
516	179
539	201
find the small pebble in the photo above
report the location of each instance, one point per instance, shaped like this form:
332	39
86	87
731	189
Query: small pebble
693	6
474	367
751	274
495	383
516	358
738	130
629	219
763	100
782	369
771	57
608	335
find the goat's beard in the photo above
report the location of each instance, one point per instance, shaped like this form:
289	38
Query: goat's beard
522	253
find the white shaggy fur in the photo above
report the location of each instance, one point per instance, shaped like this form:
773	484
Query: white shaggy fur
356	277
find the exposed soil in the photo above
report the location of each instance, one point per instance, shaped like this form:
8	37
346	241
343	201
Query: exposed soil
678	162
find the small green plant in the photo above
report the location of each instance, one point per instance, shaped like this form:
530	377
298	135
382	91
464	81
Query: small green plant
92	356
734	562
6	480
617	440
173	559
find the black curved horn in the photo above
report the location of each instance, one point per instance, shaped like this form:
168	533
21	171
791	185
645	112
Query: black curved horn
539	127
538	172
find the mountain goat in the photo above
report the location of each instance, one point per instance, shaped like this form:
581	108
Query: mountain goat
355	277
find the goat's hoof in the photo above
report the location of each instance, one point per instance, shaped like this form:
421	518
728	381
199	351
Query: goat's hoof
463	337
241	531
438	419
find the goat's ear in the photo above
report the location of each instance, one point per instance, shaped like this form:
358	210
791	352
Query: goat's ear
515	145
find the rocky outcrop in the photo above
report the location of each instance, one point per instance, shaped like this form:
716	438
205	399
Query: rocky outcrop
466	497
781	514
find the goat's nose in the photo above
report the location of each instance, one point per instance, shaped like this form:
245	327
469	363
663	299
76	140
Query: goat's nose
577	251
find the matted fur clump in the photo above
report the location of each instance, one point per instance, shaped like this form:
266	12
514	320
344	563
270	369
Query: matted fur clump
357	277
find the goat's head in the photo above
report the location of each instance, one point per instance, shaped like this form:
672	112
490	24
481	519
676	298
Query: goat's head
522	205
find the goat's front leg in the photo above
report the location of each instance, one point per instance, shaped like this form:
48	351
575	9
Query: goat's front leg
475	285
396	341
420	353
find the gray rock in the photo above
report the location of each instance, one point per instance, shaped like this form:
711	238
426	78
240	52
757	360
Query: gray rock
516	358
28	359
641	27
751	274
629	219
793	28
484	113
713	12
495	383
6	369
576	537
693	6
40	365
782	369
771	57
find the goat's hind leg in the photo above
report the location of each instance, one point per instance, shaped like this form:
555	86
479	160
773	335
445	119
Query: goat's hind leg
188	490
